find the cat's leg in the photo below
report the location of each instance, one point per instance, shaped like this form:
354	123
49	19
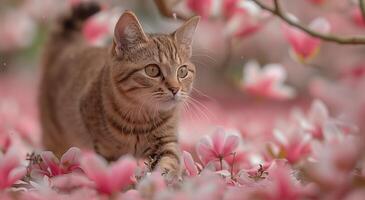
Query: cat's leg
166	156
52	138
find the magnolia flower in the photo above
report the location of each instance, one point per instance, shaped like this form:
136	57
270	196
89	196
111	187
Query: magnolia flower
201	7
243	18
14	122
357	17
10	168
266	82
108	179
216	147
303	46
282	185
50	165
334	162
316	119
292	144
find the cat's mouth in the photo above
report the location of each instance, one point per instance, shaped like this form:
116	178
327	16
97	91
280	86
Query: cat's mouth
170	101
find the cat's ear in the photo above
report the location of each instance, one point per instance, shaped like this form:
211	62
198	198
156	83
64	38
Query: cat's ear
184	35
128	31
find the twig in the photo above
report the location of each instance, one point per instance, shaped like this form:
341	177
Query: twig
362	8
327	37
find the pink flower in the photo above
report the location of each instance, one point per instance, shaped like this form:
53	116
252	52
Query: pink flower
266	82
316	119
109	179
334	161
243	18
282	185
303	46
318	2
357	17
10	168
190	164
292	144
201	7
50	165
217	147
13	118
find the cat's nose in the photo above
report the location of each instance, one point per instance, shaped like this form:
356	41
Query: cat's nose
174	90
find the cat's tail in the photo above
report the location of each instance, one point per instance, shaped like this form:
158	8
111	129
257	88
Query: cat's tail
67	31
74	21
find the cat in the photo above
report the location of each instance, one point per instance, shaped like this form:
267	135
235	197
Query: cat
116	100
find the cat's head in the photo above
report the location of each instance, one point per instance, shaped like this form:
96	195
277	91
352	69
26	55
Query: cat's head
153	70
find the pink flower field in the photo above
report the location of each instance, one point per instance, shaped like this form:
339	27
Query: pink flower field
277	110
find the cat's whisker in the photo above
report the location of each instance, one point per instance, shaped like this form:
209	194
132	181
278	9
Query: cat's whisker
202	94
197	108
189	112
203	106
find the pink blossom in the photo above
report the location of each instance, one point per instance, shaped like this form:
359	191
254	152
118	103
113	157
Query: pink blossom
318	2
13	119
334	161
316	119
201	7
217	147
190	165
303	46
10	168
109	179
51	166
243	18
282	185
357	17
291	144
266	82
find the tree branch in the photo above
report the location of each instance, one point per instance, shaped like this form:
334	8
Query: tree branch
362	8
355	40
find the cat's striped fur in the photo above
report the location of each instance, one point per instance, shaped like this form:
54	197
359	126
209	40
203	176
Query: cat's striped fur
102	99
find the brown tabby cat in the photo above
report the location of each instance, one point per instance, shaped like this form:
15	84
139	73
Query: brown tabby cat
119	100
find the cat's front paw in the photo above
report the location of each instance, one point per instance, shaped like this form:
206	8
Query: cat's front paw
172	177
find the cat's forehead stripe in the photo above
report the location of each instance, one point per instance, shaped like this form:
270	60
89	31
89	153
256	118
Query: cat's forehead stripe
167	49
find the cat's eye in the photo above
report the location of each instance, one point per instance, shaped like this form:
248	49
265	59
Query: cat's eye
152	70
182	71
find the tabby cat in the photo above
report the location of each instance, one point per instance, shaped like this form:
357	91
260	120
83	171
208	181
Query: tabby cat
124	99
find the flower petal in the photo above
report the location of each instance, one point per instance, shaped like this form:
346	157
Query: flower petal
95	167
218	138
230	144
51	162
121	173
190	164
71	159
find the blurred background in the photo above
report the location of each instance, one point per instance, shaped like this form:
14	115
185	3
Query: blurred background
253	69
